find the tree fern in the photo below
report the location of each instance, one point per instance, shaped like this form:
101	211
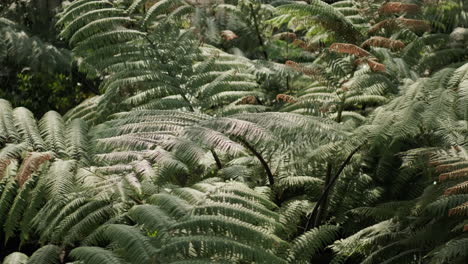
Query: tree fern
95	255
16	257
49	254
314	240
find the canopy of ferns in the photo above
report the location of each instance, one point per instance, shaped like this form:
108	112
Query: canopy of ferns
243	132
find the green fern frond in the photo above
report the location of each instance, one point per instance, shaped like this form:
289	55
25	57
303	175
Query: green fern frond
213	246
18	207
150	217
227	227
441	206
49	254
174	206
27	128
96	255
137	247
454	250
160	8
8	132
52	129
96	26
84	18
310	243
328	16
16	258
79	7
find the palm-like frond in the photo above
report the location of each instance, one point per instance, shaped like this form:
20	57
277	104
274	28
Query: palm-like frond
16	258
327	16
95	255
49	254
314	241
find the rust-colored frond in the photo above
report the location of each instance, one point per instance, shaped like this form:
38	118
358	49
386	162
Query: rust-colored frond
250	99
387	23
306	70
397	7
30	164
465	228
291	64
376	66
411	24
457	189
349	49
384	43
285	98
303	45
440	167
415	24
461	210
456	174
3	165
228	35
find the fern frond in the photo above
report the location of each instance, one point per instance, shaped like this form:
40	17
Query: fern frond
455	249
95	255
18	207
150	217
49	254
137	247
28	129
328	16
16	258
52	130
8	132
213	246
310	243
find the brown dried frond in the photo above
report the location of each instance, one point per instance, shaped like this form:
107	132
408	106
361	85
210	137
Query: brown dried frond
30	164
415	24
291	64
3	165
447	164
456	174
412	24
461	210
307	47
465	228
250	99
433	164
285	98
306	70
384	43
457	189
228	35
397	7
349	49
441	167
376	66
387	23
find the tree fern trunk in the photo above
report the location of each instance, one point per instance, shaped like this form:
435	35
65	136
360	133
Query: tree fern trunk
322	212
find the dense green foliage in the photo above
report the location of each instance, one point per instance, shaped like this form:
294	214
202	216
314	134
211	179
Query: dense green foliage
37	70
244	132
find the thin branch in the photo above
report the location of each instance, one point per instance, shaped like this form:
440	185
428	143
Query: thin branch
326	192
257	31
323	208
271	179
216	158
